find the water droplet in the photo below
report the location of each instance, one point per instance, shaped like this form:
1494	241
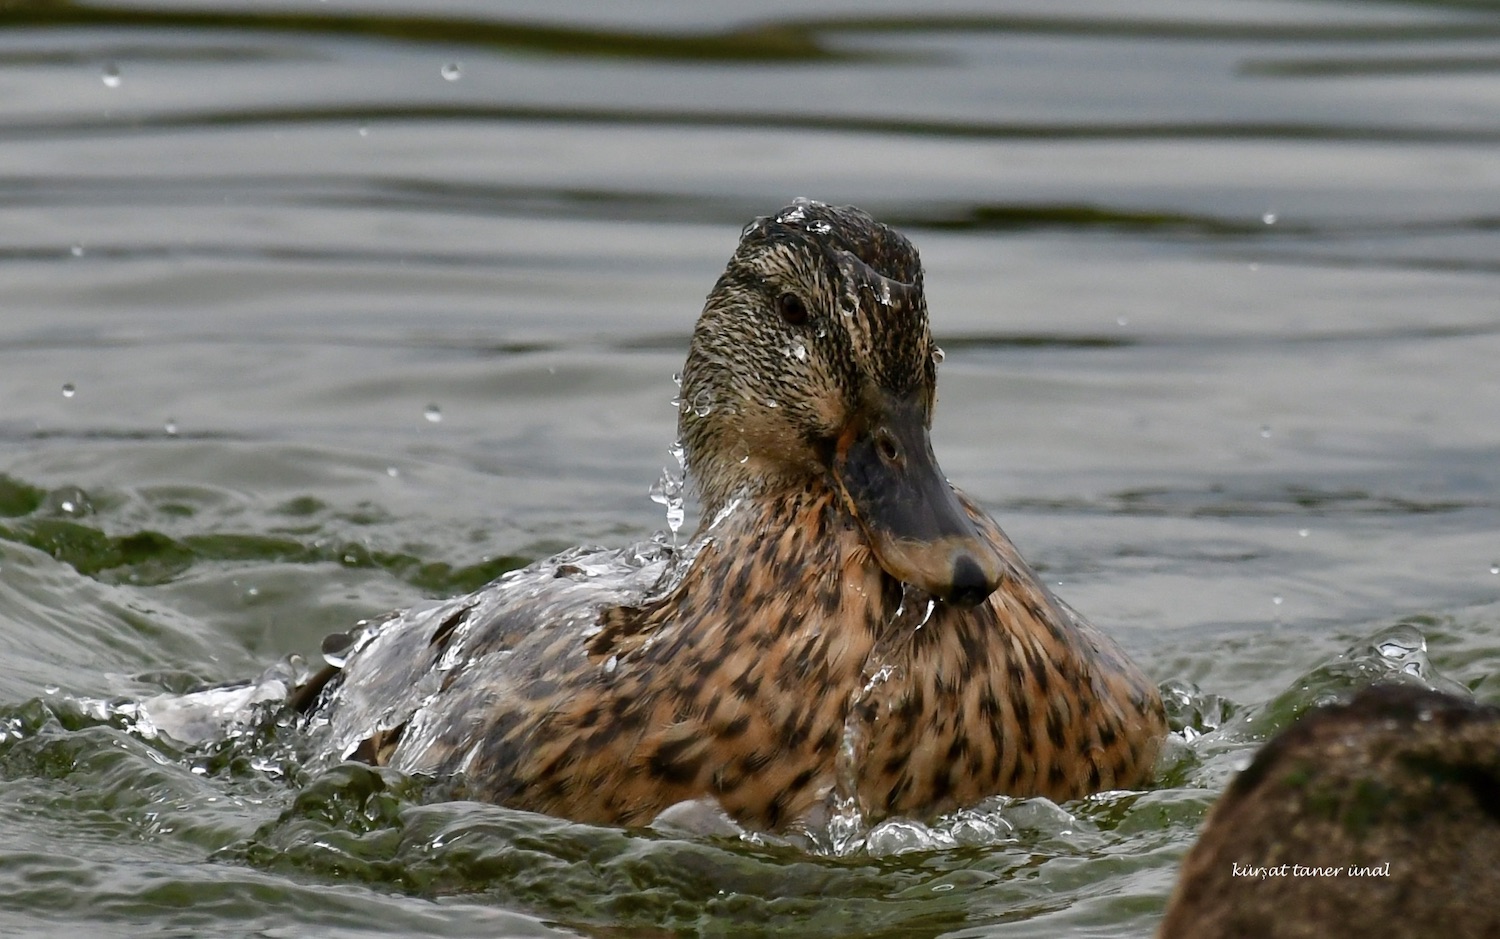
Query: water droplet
170	427
1495	568
69	390
1254	267
938	355
76	250
703	403
610	664
452	72
1122	321
51	689
364	131
69	500
111	76
771	403
819	228
1269	218
798	351
337	647
434	414
1401	643
677	379
1276	600
1265	430
667	491
1303	532
252	592
392	472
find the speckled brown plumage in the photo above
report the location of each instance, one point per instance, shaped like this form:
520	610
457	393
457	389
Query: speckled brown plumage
1401	783
780	664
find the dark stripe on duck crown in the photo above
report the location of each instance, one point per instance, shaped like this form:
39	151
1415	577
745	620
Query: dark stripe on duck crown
886	321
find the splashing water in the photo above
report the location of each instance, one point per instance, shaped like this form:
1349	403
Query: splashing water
566	590
843	828
201	717
668	491
797	212
1191	711
337	647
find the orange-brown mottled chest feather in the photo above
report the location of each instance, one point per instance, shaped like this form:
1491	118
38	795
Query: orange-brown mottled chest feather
736	684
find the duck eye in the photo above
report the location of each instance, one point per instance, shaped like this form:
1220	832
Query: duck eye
792	309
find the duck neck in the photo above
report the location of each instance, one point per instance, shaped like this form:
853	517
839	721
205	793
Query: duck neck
801	535
759	493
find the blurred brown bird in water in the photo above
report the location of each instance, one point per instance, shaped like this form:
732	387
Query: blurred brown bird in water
1379	817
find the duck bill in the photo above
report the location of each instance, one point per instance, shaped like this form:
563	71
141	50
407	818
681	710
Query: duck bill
917	529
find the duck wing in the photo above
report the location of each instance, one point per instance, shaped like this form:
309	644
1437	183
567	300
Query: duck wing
384	688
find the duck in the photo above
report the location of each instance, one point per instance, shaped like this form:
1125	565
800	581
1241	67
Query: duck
846	632
1376	816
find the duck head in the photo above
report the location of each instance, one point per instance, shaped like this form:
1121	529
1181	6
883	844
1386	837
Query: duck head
813	362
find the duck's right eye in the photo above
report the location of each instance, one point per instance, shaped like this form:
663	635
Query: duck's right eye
792	309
